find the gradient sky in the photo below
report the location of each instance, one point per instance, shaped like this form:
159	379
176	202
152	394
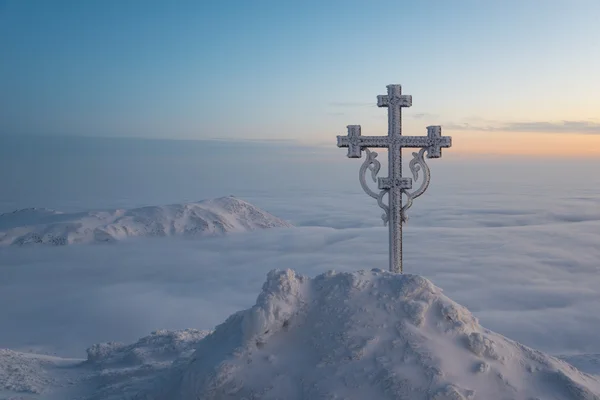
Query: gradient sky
499	76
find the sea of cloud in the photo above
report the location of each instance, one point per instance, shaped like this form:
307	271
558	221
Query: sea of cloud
514	240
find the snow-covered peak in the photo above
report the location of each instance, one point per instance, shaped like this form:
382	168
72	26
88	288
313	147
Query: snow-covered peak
205	218
365	335
362	335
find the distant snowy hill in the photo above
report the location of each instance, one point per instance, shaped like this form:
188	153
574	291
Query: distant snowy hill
362	335
205	218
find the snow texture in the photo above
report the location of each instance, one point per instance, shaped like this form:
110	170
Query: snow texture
364	335
160	345
589	363
111	371
205	218
32	376
20	372
122	370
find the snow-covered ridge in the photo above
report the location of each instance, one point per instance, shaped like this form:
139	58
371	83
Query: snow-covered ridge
205	218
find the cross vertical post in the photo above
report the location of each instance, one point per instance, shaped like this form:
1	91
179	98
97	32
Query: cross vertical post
394	101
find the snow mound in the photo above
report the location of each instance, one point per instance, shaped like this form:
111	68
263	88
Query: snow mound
205	218
364	335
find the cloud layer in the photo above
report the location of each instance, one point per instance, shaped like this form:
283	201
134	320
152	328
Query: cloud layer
516	242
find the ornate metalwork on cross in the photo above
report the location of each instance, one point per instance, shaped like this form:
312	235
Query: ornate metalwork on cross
395	184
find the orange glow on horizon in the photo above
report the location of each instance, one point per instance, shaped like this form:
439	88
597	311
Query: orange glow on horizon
515	144
526	143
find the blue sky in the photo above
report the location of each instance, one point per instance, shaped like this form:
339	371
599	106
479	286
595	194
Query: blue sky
297	70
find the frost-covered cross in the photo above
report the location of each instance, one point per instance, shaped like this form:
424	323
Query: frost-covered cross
395	184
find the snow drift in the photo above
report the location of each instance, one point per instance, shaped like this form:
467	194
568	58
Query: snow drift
205	218
364	335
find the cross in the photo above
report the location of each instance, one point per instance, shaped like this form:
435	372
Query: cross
394	185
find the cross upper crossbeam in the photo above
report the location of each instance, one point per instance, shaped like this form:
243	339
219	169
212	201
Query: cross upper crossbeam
434	141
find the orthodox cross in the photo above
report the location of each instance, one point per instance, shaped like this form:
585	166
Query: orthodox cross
395	184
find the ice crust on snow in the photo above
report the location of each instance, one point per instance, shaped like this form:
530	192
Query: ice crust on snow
205	218
369	334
